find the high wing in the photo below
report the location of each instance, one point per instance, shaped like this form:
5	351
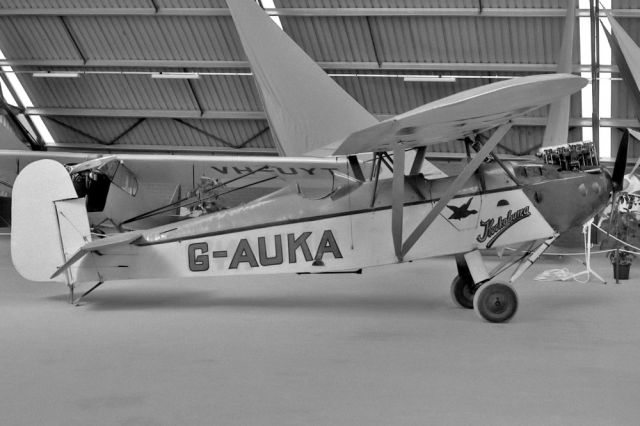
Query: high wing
462	114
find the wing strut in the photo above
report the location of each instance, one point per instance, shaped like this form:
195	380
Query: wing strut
418	161
401	249
397	199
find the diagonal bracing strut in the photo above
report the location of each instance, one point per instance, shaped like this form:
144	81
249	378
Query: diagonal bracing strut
402	248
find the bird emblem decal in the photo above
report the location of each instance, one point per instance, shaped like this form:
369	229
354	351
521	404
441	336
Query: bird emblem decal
463	211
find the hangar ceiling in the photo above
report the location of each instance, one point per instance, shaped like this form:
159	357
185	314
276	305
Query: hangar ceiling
110	53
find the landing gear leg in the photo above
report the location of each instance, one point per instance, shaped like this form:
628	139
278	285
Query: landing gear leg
471	273
498	301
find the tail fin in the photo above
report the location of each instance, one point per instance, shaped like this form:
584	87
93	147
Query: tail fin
49	222
557	130
305	107
626	54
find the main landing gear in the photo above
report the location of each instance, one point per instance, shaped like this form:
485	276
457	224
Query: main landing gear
493	301
462	292
496	302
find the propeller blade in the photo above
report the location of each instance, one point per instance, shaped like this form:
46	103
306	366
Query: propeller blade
621	163
636	135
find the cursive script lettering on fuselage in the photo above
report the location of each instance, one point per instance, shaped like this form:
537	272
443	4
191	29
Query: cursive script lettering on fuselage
493	228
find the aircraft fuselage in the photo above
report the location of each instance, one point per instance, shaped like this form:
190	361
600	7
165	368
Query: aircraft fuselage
285	232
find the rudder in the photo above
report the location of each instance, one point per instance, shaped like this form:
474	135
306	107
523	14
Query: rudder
50	222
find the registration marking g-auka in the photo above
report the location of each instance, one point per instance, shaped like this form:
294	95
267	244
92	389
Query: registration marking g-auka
295	245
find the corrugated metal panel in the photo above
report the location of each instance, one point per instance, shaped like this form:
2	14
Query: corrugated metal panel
171	132
164	132
35	37
192	3
341	39
125	4
57	4
96	130
157	37
228	93
237	132
465	39
422	3
109	91
333	39
428	39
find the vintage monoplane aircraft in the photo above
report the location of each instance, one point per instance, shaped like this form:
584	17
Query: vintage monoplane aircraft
351	220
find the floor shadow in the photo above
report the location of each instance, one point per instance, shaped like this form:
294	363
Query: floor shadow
553	303
120	300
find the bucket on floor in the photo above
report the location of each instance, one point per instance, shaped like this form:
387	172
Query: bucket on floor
621	272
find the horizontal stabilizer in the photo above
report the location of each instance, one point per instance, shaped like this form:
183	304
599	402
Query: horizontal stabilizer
103	243
463	114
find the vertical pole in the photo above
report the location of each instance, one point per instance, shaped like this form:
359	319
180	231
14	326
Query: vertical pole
617	266
595	71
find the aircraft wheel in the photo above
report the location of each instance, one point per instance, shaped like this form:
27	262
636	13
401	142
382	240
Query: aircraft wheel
462	292
496	302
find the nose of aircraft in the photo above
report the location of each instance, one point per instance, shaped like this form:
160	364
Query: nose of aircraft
572	199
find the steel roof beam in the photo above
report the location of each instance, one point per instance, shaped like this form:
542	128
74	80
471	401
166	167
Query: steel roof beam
244	65
312	12
125	63
147	113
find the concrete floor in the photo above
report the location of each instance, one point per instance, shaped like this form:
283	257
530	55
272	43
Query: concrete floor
384	348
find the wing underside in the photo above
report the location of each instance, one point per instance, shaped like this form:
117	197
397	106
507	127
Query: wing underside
463	114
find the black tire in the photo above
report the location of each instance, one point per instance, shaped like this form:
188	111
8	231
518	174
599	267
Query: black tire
496	302
462	292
